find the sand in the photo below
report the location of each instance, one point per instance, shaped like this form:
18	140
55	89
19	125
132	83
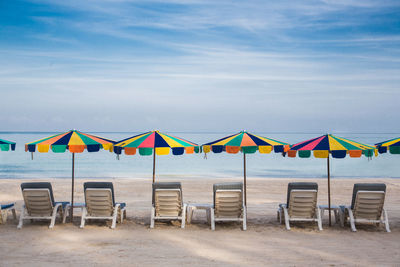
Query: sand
266	242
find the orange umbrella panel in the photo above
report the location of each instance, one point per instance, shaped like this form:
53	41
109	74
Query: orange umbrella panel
74	141
247	143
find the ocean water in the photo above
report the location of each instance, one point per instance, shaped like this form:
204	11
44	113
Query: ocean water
18	164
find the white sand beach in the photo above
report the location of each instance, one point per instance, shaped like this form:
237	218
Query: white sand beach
266	242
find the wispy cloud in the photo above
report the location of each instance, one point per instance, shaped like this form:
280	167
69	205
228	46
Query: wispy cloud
148	61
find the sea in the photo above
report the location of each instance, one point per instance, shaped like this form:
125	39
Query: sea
19	164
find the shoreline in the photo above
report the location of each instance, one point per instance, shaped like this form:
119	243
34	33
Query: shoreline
190	177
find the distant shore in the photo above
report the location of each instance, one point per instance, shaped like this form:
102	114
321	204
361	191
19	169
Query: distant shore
182	177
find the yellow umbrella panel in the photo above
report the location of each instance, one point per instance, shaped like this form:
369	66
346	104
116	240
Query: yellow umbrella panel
330	145
75	142
247	143
155	143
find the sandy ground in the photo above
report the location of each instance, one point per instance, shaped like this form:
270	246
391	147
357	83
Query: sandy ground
266	242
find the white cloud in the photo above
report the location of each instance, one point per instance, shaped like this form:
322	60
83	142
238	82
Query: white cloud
204	65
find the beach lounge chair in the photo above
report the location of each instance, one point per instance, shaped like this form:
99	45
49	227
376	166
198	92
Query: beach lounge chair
301	204
228	204
4	209
100	204
39	203
167	203
366	206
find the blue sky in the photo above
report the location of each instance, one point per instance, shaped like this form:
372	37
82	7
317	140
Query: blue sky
264	66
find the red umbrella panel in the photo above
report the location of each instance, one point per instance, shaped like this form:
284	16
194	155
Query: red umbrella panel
75	142
329	145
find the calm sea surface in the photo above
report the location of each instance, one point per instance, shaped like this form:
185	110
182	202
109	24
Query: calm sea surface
18	164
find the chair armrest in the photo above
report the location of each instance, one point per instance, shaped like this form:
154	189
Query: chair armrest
57	206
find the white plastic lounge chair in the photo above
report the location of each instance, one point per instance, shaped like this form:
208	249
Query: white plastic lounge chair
366	206
228	204
167	203
4	209
100	204
301	204
39	203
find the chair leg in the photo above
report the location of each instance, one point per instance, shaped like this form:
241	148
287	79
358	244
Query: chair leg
337	216
54	215
212	219
286	218
66	211
319	220
280	215
352	222
244	218
152	215
183	216
14	214
21	217
115	216
189	214
121	213
341	217
208	212
386	221
83	217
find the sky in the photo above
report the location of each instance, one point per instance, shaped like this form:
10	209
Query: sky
193	66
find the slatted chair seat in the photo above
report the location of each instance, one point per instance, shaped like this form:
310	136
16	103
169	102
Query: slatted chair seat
228	204
39	203
367	206
301	204
100	204
167	203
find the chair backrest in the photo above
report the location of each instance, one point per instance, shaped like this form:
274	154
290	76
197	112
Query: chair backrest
99	202
38	201
99	198
369	205
101	185
303	203
167	199
299	186
368	201
366	187
228	199
39	185
38	198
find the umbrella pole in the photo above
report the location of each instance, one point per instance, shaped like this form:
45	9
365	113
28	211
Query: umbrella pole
329	193
71	214
154	165
244	177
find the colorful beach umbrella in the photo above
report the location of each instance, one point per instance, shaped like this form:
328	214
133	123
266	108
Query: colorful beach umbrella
75	142
5	145
328	145
155	143
246	143
392	144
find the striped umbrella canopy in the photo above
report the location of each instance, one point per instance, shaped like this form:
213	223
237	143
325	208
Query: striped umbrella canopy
327	144
247	143
393	145
155	143
337	147
75	142
5	145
